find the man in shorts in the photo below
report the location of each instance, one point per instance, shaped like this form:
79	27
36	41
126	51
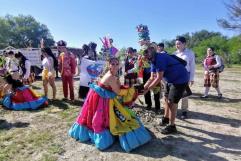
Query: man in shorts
176	77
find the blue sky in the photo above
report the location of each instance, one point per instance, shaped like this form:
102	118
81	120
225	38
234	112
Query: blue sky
82	21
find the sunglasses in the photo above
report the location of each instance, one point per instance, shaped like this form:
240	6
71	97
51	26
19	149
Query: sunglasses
115	64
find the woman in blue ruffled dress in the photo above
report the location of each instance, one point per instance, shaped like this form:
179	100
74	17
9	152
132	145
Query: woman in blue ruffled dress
105	114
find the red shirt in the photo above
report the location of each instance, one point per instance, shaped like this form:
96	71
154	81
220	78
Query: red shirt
67	64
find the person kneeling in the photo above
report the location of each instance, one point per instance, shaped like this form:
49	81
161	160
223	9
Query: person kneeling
21	96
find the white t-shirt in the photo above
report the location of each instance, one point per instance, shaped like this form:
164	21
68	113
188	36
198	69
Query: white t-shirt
48	63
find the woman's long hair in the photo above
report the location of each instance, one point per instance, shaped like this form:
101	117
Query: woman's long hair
50	53
22	61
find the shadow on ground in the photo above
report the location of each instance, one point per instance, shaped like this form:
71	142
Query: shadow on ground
233	145
214	118
179	147
212	98
4	125
65	104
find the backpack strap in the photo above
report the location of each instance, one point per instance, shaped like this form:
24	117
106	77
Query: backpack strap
180	61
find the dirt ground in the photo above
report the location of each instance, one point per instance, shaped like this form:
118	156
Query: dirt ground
211	132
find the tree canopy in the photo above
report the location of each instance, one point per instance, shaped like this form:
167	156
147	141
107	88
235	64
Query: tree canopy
234	16
23	31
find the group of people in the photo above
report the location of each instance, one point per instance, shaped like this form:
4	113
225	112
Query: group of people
18	66
107	111
158	68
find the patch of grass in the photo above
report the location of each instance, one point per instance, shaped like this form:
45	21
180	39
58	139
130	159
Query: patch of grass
236	66
10	147
38	139
69	115
47	157
55	149
21	144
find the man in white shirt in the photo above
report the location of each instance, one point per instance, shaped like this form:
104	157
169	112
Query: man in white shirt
189	57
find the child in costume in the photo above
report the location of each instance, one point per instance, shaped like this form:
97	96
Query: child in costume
105	114
21	97
131	67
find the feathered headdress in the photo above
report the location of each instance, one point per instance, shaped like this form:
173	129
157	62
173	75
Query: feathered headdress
108	47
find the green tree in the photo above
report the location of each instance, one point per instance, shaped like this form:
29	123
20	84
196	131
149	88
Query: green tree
219	43
193	39
122	53
234	45
23	31
234	16
228	48
4	33
200	36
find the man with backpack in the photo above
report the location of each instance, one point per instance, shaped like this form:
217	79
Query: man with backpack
212	64
188	56
176	77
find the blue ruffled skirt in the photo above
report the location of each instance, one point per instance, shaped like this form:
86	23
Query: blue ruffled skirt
128	141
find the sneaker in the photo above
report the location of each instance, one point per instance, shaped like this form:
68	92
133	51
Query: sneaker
72	101
220	96
204	96
148	107
169	129
184	115
164	121
65	99
2	121
157	110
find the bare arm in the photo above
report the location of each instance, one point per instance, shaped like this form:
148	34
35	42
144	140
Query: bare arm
157	80
149	81
149	85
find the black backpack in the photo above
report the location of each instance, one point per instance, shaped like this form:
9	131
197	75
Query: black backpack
180	60
222	66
